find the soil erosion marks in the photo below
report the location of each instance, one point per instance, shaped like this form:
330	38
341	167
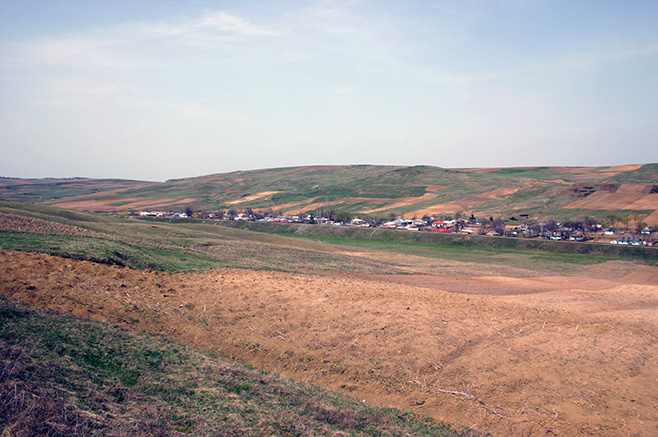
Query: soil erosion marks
531	356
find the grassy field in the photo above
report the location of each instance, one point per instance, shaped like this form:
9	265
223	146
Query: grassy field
474	247
182	245
43	190
61	375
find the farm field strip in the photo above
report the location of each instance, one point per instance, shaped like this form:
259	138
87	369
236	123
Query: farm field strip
539	193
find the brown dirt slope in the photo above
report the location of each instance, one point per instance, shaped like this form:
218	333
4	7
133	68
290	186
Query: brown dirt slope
83	203
465	203
252	197
512	356
390	203
626	197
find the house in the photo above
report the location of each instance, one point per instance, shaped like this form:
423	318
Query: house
442	223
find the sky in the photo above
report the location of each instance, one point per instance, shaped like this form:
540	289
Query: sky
155	90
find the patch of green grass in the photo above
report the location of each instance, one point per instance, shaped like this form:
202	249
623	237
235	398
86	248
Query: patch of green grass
458	247
139	256
647	174
181	245
43	190
549	262
61	375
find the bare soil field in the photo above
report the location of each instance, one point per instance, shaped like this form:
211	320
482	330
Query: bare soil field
83	203
403	202
465	203
391	203
628	196
252	197
511	354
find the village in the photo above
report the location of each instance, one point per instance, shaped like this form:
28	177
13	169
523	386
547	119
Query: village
619	232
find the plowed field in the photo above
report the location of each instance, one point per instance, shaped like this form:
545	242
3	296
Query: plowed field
551	355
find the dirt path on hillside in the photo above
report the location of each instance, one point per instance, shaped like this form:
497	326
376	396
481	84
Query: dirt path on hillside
513	356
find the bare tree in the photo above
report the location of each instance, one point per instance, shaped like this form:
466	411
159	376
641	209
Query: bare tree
499	226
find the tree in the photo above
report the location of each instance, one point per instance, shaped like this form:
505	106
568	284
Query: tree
552	226
536	228
342	216
612	219
639	225
591	224
498	226
577	226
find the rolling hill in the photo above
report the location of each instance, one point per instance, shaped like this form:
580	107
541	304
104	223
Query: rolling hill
541	193
517	336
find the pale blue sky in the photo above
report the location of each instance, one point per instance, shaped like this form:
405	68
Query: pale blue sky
174	88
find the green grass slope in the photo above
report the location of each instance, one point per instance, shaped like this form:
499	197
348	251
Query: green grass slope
459	247
169	245
183	245
44	190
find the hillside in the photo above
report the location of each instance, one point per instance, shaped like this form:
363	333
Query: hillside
182	245
63	375
563	193
507	336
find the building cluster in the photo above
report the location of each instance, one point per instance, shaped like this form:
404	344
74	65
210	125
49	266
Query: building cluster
550	230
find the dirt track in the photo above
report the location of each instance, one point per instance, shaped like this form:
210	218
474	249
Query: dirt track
513	356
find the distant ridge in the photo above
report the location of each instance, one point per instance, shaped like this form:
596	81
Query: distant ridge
369	190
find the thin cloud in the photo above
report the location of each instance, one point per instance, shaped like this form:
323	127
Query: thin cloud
327	81
224	22
211	24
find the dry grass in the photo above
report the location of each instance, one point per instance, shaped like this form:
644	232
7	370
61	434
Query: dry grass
62	376
22	223
526	347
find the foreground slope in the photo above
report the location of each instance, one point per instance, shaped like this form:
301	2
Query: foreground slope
511	356
539	192
67	376
509	341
